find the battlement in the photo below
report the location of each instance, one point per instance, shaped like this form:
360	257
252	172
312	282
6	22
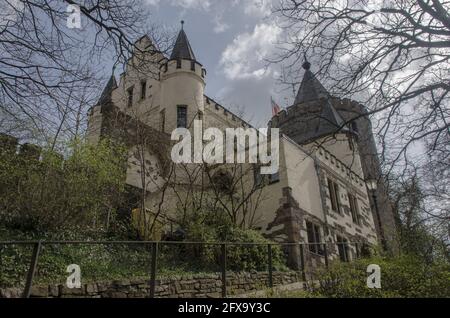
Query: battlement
172	67
340	168
218	108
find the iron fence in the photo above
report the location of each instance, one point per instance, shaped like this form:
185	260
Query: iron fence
37	247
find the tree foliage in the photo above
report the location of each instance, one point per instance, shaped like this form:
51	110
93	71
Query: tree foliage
52	194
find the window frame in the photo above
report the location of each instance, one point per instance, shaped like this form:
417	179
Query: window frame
179	108
314	238
143	89
130	96
258	178
274	178
162	120
354	209
343	246
333	188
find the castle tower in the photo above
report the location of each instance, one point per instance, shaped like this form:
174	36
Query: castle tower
182	86
314	120
356	113
315	115
96	118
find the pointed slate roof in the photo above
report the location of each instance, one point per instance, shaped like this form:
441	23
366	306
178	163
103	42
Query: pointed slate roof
315	113
106	94
310	88
182	48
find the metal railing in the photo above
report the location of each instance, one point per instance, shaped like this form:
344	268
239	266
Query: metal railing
155	246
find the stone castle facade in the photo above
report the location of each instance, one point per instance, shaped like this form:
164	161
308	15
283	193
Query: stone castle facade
318	196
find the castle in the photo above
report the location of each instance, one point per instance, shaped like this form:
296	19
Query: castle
327	153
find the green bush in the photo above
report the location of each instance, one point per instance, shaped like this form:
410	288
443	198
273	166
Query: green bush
52	195
405	276
212	227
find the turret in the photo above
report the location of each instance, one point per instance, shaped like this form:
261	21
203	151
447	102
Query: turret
313	119
182	86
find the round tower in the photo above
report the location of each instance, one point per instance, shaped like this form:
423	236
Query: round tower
357	115
182	86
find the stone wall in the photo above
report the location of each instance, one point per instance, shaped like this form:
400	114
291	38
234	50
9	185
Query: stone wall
195	286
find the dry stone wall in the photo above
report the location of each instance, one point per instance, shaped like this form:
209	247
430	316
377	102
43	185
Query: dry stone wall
195	286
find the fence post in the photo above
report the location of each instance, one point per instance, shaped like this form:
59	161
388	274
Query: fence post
1	264
32	269
153	269
224	270
269	256
325	251
302	262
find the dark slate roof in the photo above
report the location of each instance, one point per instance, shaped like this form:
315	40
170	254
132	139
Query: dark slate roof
182	48
106	94
310	88
313	115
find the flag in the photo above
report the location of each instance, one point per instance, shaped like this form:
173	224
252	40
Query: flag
275	107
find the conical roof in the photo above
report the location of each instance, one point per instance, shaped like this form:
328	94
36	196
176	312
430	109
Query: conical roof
182	48
310	88
316	115
106	94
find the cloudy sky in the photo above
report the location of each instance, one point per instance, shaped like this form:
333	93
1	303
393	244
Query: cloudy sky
232	39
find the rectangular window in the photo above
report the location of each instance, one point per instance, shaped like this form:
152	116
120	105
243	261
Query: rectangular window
130	97
181	116
178	63
314	241
162	120
143	89
273	178
334	196
343	248
193	66
257	177
354	209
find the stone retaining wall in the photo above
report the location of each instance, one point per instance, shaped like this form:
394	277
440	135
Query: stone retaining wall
195	286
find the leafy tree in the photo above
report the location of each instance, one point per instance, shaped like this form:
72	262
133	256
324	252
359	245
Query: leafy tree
52	194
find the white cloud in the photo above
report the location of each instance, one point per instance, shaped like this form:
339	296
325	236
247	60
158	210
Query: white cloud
220	25
186	4
244	57
257	8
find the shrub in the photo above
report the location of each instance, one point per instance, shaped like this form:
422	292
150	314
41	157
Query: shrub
50	195
405	276
211	227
